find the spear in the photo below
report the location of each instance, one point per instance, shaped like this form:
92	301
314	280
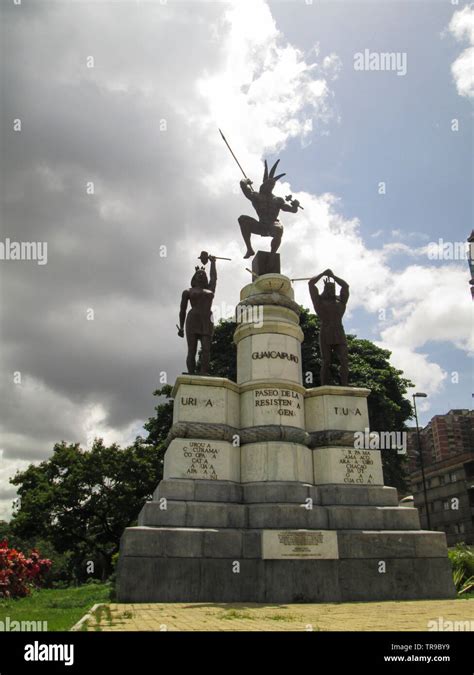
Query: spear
288	198
230	149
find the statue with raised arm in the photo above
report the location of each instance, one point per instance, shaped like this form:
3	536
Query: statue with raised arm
268	208
330	308
199	321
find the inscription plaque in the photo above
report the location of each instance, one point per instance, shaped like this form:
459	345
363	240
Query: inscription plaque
299	544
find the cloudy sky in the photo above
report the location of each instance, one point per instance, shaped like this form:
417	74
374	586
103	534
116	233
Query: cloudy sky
111	155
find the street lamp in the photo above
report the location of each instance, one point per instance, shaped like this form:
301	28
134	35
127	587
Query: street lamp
420	454
470	254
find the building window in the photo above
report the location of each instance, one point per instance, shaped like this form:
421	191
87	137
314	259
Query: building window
469	469
452	477
446	505
441	480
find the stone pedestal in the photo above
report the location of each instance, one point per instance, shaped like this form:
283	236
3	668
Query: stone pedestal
268	474
266	263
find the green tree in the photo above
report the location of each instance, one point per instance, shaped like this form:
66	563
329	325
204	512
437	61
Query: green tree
159	425
81	500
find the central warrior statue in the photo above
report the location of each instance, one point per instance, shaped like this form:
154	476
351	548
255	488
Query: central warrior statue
267	207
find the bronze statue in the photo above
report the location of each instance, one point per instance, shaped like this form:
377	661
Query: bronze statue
330	308
199	321
267	207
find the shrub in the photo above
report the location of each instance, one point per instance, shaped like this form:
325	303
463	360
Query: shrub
19	573
462	560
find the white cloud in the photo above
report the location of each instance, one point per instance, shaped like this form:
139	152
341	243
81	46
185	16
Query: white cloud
462	28
418	301
8	468
427	376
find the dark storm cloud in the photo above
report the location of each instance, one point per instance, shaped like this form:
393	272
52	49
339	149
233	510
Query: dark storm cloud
102	125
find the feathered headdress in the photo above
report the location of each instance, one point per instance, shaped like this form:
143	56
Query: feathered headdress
269	177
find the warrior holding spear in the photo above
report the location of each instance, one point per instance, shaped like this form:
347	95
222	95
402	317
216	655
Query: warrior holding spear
267	207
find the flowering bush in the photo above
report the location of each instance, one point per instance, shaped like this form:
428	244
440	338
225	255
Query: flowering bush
19	574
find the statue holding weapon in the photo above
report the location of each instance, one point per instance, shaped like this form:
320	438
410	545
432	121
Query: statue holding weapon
330	308
199	320
267	207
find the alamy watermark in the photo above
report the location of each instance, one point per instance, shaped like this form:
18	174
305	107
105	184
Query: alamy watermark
381	440
9	626
381	61
242	313
38	651
447	250
443	624
24	250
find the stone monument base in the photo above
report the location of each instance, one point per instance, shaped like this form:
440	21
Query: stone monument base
223	541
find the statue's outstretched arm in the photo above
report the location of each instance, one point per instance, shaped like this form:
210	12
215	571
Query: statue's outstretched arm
313	289
246	187
344	287
212	275
292	207
344	296
314	280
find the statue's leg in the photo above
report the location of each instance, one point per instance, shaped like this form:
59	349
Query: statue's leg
192	340
246	225
343	357
205	353
276	241
325	362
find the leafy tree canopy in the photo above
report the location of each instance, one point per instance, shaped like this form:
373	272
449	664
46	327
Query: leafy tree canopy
81	500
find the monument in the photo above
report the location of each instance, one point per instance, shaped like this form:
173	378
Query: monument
266	497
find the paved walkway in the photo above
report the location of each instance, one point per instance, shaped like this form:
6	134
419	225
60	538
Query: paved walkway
368	616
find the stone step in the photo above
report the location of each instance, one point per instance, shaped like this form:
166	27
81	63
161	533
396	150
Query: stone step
277	516
278	491
148	578
193	514
287	516
191	542
274	491
387	544
281	516
238	543
372	518
198	490
358	495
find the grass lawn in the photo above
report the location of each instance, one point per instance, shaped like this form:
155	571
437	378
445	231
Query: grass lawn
60	607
